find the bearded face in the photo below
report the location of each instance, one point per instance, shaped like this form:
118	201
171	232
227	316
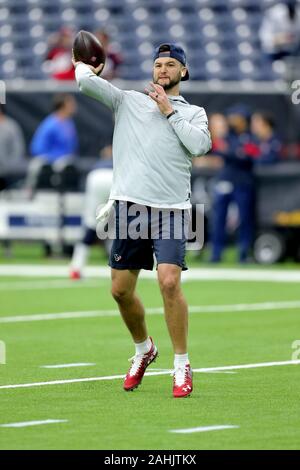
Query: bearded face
167	84
167	72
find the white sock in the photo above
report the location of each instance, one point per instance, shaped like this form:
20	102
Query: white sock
143	348
181	360
80	255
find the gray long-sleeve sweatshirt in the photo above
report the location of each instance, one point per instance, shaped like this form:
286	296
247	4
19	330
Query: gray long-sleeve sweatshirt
12	145
152	154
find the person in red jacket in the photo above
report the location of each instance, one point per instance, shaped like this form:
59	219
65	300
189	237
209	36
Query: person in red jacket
113	57
268	142
59	57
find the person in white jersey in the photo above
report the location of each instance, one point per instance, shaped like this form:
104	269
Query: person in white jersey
97	190
156	135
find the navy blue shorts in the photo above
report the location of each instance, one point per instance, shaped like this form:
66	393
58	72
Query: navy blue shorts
142	231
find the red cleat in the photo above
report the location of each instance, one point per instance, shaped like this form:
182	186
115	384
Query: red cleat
183	382
75	275
139	364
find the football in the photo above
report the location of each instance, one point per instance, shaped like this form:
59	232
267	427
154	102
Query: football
88	49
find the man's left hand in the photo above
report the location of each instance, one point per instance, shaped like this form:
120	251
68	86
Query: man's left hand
160	97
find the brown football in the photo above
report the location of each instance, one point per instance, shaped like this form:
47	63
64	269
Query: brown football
88	49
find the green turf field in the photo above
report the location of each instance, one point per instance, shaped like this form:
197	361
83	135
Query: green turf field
262	402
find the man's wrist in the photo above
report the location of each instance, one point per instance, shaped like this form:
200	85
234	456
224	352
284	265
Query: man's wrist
174	111
77	63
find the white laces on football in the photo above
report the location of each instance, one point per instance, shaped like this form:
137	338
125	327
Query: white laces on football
179	375
137	361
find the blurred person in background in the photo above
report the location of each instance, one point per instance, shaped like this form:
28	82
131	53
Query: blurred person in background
56	137
218	128
58	63
12	147
280	30
12	156
54	147
113	58
204	169
98	186
269	146
235	183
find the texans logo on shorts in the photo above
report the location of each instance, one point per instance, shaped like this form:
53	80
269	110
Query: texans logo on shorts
117	257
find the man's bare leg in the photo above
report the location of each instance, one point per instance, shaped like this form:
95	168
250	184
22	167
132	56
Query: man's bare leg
130	306
176	314
176	310
133	313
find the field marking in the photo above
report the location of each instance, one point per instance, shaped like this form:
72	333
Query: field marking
220	372
58	316
204	429
33	423
50	284
65	366
149	374
266	306
207	372
193	274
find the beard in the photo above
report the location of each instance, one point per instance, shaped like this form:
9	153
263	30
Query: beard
171	84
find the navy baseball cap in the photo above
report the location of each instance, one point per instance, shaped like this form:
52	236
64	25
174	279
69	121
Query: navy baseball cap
174	51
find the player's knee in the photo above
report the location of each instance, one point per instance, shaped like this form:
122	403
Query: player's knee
120	293
169	285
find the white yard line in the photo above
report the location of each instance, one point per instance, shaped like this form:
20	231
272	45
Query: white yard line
193	274
249	366
33	423
218	427
166	372
220	372
59	316
260	306
246	307
31	270
50	284
150	369
245	274
66	366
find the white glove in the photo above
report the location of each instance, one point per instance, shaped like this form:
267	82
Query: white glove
104	212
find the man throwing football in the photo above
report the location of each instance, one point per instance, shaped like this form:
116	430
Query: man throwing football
156	136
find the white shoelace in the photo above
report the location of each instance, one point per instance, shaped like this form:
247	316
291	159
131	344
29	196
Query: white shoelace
136	363
179	375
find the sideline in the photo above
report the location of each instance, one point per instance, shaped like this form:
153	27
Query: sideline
193	274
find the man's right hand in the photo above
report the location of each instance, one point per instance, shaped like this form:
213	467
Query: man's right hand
95	70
